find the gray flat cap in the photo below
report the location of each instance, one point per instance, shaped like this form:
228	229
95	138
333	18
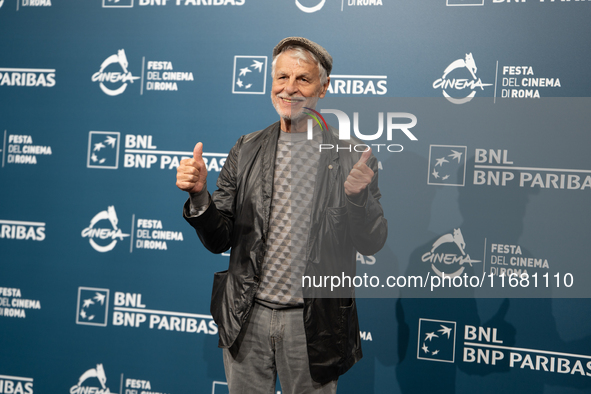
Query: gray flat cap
321	53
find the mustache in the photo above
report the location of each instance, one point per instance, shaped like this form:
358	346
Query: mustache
293	98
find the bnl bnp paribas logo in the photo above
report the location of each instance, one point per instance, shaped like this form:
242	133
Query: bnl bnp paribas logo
436	340
250	75
140	152
16	384
447	165
103	149
93	305
114	76
489	346
117	3
459	83
460	3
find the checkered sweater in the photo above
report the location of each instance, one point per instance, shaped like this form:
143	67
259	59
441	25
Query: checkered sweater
296	164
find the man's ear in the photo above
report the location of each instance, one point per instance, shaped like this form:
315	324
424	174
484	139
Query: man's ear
325	88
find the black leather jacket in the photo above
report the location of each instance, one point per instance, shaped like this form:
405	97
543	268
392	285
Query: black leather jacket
238	218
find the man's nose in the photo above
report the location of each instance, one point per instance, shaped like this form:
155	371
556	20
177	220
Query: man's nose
291	86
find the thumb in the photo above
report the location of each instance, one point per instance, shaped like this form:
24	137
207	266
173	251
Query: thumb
365	156
198	151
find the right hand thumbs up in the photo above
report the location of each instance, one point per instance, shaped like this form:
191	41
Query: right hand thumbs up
198	151
191	174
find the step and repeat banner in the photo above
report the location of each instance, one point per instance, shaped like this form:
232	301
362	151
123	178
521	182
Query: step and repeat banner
482	113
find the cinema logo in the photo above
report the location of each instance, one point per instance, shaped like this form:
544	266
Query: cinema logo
345	130
358	85
130	311
448	253
110	231
92	381
16	384
112	82
311	8
460	72
27	77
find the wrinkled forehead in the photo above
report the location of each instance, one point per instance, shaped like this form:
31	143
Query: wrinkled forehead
301	58
299	53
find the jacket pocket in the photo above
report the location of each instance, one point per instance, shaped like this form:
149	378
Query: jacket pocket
349	327
336	224
217	295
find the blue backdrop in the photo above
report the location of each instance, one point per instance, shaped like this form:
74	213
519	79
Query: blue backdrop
104	287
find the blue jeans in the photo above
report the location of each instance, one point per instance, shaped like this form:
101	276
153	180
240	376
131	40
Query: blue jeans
272	341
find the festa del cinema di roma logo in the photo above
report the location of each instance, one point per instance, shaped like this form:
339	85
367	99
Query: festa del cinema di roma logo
114	233
114	78
94	381
320	4
459	84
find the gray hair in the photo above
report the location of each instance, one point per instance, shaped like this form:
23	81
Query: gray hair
297	52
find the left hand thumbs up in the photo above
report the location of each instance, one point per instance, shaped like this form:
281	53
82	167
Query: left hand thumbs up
360	176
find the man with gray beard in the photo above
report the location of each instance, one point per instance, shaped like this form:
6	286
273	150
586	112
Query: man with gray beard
286	209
